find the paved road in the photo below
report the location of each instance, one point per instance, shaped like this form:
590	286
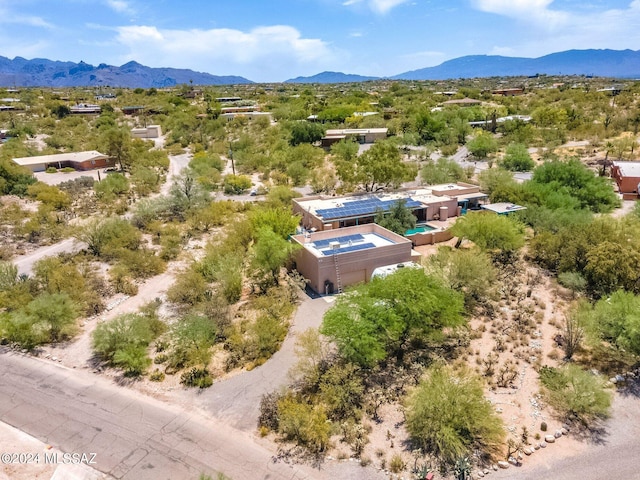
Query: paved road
25	262
134	437
236	400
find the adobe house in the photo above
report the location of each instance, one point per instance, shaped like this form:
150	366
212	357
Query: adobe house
435	202
78	160
360	135
151	131
334	259
627	177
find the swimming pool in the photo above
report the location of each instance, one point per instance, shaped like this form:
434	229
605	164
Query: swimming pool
418	229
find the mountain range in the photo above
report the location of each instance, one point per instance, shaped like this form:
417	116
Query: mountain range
21	72
40	72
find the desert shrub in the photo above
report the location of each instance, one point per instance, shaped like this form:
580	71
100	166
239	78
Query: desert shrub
123	341
397	464
573	391
305	424
341	391
447	414
189	288
132	359
196	377
141	263
51	170
49	317
157	376
269	416
191	340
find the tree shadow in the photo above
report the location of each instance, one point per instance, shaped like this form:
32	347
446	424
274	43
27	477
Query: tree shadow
631	387
595	433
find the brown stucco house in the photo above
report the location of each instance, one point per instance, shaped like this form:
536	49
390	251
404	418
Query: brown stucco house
334	259
627	177
79	160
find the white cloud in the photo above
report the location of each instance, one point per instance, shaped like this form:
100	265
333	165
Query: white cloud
378	6
263	51
384	6
556	30
535	11
120	6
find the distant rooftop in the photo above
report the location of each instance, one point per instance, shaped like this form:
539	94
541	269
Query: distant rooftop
59	157
502	208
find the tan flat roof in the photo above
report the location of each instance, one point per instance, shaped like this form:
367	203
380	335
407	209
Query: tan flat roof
60	157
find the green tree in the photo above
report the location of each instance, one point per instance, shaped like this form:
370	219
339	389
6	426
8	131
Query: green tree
573	391
271	252
378	168
236	184
615	320
115	184
191	340
448	415
490	231
517	158
345	150
398	219
390	315
444	170
470	271
106	237
305	132
482	144
117	144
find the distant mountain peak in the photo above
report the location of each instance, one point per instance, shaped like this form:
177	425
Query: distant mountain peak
331	77
47	73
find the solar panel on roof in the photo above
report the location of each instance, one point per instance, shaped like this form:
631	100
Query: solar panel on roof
351	248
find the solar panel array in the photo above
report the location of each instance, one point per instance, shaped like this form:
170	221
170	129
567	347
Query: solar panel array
358	208
346	239
360	246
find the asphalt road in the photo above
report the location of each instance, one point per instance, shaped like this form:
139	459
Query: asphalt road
236	400
134	437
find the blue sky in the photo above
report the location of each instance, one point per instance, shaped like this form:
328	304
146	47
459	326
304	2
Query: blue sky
273	40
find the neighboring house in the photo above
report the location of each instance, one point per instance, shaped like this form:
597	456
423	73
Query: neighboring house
627	177
436	202
151	131
332	260
85	109
78	160
248	115
462	102
241	109
132	110
360	135
508	92
503	208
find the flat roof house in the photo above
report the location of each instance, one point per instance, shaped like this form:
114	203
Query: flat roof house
360	135
332	260
151	131
78	160
436	202
627	176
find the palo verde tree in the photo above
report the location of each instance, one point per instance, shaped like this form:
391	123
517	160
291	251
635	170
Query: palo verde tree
490	232
392	315
448	415
378	168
